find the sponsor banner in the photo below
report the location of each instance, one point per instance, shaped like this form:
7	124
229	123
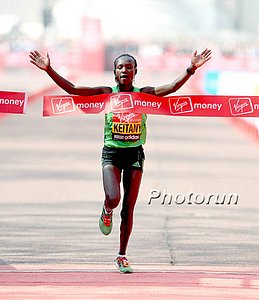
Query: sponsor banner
186	105
13	102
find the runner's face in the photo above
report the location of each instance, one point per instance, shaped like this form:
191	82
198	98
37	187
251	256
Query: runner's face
125	70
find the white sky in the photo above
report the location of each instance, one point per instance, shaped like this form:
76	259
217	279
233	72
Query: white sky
120	19
134	19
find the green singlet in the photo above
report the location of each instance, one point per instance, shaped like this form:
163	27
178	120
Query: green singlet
123	130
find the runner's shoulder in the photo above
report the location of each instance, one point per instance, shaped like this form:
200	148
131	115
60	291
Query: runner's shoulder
148	90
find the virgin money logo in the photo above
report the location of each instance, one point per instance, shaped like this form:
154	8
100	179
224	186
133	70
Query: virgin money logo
180	105
62	105
121	102
240	106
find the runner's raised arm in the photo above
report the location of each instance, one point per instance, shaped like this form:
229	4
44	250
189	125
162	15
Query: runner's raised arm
43	63
197	60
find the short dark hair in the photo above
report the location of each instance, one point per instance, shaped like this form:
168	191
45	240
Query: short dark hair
122	55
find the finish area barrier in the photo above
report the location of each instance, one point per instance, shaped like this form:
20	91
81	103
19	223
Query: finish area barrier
180	105
13	102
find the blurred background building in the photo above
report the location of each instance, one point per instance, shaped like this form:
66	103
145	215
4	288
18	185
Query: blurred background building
145	27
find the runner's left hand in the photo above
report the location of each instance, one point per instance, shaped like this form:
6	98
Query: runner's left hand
198	60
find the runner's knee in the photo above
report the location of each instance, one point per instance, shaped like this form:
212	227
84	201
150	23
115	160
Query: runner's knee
112	201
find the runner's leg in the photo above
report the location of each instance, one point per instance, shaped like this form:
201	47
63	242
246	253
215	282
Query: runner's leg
131	184
111	185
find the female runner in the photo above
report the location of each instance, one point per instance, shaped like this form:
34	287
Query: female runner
122	154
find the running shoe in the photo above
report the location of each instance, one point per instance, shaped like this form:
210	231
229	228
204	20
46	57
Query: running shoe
105	222
123	265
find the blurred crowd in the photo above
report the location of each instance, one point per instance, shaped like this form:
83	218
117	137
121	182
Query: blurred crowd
230	50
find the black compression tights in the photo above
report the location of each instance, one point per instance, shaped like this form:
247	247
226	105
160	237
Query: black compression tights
131	183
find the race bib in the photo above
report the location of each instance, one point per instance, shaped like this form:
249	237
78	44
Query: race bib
126	126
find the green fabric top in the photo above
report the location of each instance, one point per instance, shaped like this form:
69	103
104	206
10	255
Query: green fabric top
123	130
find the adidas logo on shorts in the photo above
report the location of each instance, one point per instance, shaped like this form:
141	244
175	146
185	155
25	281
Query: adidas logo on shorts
136	164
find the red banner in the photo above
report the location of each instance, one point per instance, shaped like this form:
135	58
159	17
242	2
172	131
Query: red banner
92	45
181	105
13	102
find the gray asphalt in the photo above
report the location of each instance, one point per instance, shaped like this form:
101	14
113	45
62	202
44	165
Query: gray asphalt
51	192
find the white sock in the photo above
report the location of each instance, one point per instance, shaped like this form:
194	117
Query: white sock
121	255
